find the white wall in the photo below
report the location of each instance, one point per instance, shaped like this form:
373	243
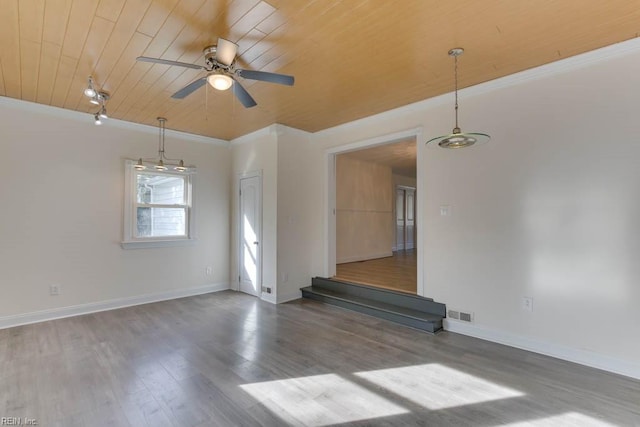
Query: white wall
296	217
547	210
62	205
258	152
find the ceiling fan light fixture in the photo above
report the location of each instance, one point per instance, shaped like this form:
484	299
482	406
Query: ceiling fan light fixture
219	81
457	138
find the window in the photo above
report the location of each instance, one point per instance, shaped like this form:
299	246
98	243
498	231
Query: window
158	208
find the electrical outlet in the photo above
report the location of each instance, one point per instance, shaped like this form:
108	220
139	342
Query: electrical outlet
284	277
209	271
266	289
54	290
527	303
445	210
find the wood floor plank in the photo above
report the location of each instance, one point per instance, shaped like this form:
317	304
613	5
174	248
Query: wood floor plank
398	272
231	359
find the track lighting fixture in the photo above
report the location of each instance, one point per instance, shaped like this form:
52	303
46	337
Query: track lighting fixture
103	111
457	138
97	98
162	163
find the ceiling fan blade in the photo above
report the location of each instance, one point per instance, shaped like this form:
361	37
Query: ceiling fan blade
265	76
190	88
226	51
242	95
167	62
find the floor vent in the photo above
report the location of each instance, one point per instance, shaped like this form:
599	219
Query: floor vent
467	317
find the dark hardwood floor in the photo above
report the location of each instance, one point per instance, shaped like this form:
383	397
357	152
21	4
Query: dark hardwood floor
397	272
229	359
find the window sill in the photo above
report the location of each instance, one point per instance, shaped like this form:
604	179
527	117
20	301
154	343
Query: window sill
157	243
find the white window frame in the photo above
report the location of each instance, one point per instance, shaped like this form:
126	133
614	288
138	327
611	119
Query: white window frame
130	241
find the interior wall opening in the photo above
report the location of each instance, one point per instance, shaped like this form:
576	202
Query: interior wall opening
375	214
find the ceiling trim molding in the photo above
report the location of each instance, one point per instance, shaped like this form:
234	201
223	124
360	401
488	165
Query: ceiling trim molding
63	113
377	140
561	66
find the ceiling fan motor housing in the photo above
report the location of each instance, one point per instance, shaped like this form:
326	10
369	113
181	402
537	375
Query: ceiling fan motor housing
210	59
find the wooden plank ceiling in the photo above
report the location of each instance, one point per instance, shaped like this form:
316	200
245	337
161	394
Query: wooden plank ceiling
351	58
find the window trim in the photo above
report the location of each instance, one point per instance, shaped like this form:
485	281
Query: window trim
129	240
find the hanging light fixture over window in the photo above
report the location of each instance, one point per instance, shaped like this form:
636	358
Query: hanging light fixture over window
162	163
457	138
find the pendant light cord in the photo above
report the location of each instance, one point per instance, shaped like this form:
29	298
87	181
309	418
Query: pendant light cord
161	139
455	72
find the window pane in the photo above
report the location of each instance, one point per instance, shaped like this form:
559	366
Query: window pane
160	189
161	222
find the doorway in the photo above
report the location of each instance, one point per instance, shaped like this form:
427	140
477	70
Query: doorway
374	202
250	233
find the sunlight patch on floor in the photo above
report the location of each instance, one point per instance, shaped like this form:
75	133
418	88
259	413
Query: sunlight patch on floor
435	386
321	400
570	419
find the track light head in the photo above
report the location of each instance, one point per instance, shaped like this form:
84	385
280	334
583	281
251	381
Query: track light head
103	112
90	91
98	122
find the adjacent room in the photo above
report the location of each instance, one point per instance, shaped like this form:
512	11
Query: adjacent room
313	213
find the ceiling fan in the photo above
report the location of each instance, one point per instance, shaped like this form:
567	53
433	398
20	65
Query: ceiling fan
220	65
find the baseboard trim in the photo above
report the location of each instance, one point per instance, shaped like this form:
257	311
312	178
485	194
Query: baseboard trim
290	296
582	357
271	298
364	258
94	307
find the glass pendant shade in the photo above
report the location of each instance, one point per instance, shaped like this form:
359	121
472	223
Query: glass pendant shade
457	138
160	166
139	166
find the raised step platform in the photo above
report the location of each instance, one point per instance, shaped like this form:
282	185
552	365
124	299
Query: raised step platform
409	310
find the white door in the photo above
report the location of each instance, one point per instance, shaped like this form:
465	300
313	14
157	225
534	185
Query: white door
250	274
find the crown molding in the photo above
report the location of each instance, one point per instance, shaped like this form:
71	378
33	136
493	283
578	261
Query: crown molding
63	113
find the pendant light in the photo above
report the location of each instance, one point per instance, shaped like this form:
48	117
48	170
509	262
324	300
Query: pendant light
162	163
457	138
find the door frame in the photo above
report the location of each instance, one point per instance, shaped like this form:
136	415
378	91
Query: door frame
240	177
330	196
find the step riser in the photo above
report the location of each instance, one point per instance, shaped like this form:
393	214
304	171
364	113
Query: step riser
431	327
425	305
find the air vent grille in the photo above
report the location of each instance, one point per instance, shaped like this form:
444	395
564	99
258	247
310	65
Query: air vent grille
467	317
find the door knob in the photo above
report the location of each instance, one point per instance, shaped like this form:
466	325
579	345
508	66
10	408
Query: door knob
255	243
